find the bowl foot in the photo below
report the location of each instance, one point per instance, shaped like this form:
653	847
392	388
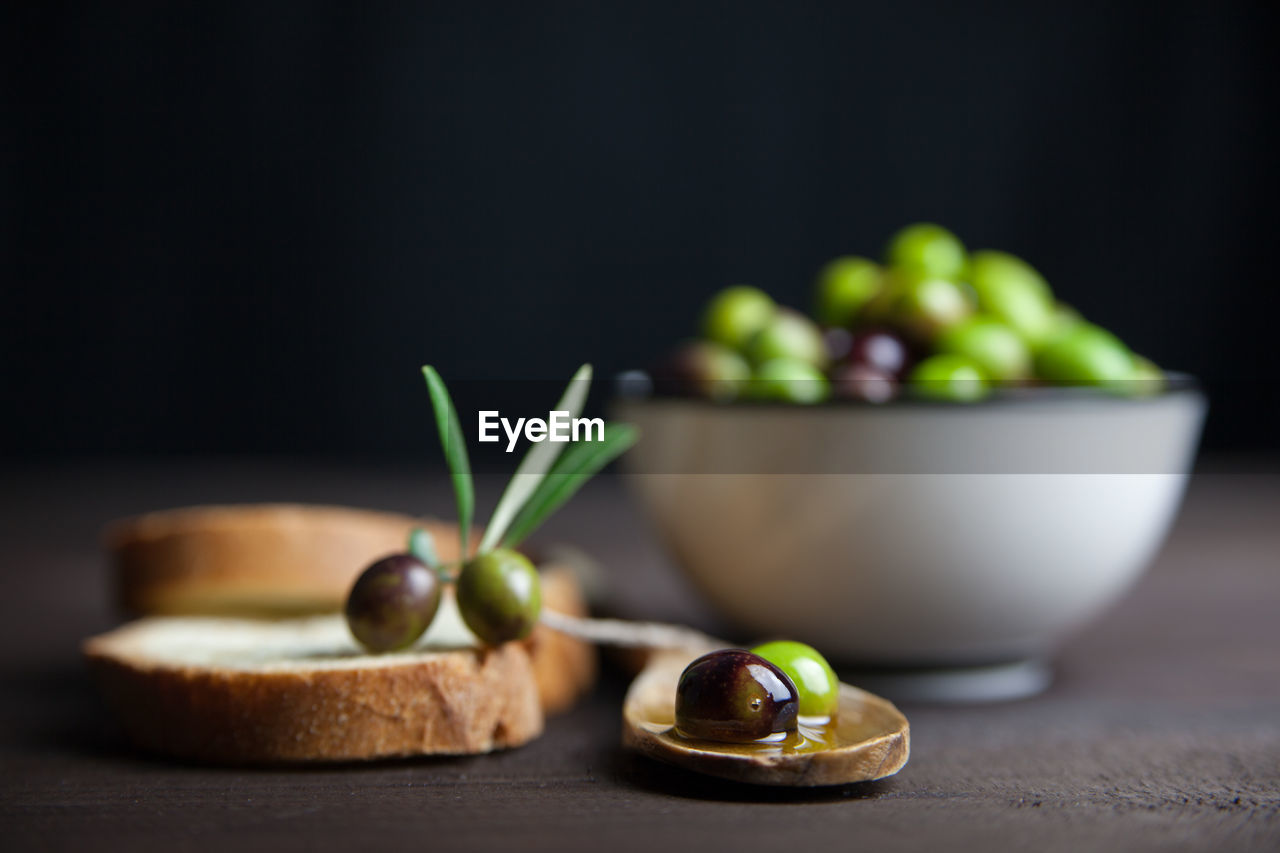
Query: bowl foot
955	685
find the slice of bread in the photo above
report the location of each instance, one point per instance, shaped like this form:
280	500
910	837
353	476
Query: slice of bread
236	690
564	668
265	559
289	559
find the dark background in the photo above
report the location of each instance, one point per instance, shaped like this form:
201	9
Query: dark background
240	227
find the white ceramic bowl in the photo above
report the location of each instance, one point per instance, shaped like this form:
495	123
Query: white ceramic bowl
916	534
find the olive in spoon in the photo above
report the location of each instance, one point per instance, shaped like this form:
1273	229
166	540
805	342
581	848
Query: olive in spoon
867	738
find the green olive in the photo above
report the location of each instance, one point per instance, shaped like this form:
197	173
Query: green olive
929	249
392	603
879	310
789	381
993	346
815	680
735	696
499	596
1065	318
702	369
926	305
1011	290
788	334
1147	378
1085	355
735	314
844	286
949	377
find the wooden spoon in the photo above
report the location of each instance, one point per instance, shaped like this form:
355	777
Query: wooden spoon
869	740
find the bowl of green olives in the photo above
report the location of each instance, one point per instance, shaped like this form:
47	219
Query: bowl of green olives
943	467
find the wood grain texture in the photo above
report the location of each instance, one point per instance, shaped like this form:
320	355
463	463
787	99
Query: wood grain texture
1161	732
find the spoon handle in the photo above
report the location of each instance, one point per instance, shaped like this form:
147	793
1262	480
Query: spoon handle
638	635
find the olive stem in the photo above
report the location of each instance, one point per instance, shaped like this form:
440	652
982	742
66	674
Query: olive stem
449	572
621	632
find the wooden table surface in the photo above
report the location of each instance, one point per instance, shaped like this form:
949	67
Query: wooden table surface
1161	731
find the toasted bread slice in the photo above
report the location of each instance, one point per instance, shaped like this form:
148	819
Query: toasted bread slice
242	690
278	559
259	559
564	668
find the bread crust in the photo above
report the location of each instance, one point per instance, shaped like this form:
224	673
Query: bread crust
273	559
565	669
431	703
263	558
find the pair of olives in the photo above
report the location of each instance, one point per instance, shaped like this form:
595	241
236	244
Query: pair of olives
396	598
934	319
741	696
751	348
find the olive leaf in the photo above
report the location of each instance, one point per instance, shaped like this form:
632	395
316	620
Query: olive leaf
423	546
578	464
455	453
536	463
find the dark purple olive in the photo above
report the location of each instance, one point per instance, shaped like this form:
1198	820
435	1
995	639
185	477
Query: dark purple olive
863	382
735	696
701	369
392	603
839	341
881	349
